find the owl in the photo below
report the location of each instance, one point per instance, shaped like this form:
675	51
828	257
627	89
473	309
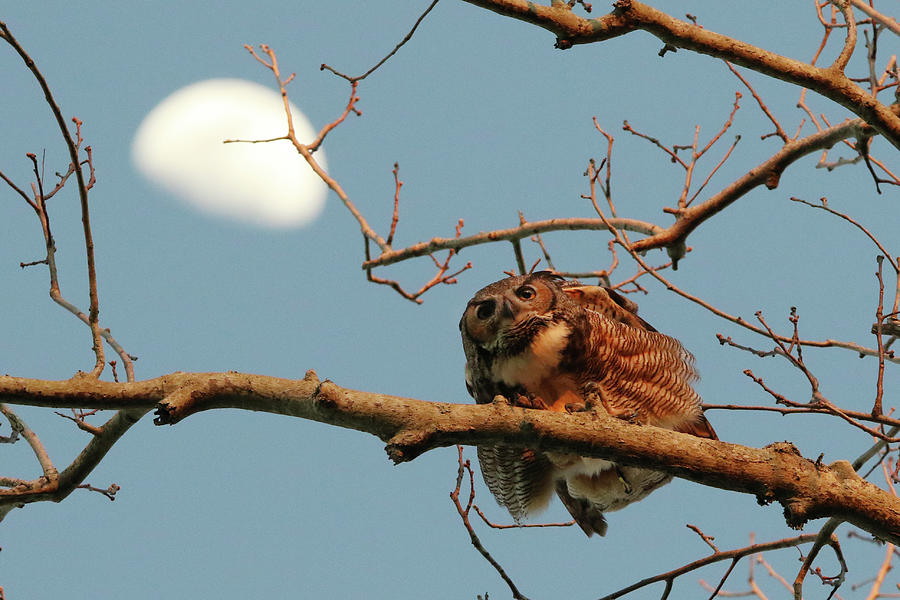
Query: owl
546	343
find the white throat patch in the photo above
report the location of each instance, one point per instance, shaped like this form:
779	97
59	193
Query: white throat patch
539	361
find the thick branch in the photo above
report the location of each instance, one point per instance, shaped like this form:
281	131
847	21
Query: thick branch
630	15
806	489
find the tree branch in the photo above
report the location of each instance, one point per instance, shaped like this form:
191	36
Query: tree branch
83	187
778	473
631	15
767	173
525	230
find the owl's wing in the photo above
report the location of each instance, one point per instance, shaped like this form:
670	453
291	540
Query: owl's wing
644	375
638	374
607	302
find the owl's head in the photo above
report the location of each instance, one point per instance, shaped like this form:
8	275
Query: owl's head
511	306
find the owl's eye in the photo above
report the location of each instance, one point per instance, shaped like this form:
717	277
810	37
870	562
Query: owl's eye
485	310
526	292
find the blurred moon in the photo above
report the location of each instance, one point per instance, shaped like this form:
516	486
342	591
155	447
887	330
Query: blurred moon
179	146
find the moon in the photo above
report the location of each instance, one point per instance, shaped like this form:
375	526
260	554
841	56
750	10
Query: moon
179	146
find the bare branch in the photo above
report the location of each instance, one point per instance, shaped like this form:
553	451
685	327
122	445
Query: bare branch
493	525
83	186
631	15
109	492
514	233
767	173
840	63
888	22
707	539
464	467
825	536
762	105
806	489
20	428
391	53
732	555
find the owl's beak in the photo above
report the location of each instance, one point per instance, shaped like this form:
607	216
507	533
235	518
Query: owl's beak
506	310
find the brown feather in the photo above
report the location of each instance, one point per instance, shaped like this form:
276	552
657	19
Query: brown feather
546	343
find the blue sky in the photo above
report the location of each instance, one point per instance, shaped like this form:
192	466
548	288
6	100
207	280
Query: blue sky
485	118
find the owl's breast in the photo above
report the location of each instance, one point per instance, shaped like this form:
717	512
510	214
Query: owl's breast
539	360
536	369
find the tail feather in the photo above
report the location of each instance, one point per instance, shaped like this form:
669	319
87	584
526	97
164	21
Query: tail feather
519	478
701	428
586	514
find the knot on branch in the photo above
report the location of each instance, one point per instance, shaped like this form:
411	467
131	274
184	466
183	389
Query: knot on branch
676	252
407	445
784	448
190	398
177	405
844	471
797	512
327	396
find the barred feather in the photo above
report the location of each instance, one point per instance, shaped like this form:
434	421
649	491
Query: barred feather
563	341
520	479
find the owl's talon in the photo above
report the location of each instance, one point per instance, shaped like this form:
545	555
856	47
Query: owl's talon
624	481
530	402
628	417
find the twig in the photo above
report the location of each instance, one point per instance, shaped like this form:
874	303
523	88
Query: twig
732	555
51	475
825	536
109	492
708	539
307	150
767	173
773	573
78	419
877	447
493	525
396	215
73	147
804	409
632	250
464	466
826	406
731	148
56	488
672	155
879	318
390	54
762	105
439	278
875	591
873	14
824	206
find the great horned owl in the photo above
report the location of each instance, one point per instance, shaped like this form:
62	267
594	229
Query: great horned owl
543	342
